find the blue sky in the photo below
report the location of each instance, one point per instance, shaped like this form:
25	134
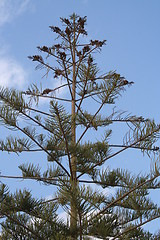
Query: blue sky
132	31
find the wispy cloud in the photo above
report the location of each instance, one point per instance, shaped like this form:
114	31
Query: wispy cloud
9	9
12	73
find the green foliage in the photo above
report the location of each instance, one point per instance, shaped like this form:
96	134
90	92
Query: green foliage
144	135
28	218
105	225
87	159
14	144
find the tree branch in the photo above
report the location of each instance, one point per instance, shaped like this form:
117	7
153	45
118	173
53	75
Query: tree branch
135	227
122	150
123	196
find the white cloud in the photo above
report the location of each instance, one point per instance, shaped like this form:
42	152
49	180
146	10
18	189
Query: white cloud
12	73
53	84
10	9
63	216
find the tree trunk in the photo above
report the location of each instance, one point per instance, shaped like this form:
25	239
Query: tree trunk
73	219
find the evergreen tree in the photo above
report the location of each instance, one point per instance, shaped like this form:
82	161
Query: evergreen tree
79	164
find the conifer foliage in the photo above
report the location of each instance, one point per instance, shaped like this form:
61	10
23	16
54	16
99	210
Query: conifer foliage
78	161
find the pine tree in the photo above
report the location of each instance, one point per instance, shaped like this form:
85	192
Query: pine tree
63	133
